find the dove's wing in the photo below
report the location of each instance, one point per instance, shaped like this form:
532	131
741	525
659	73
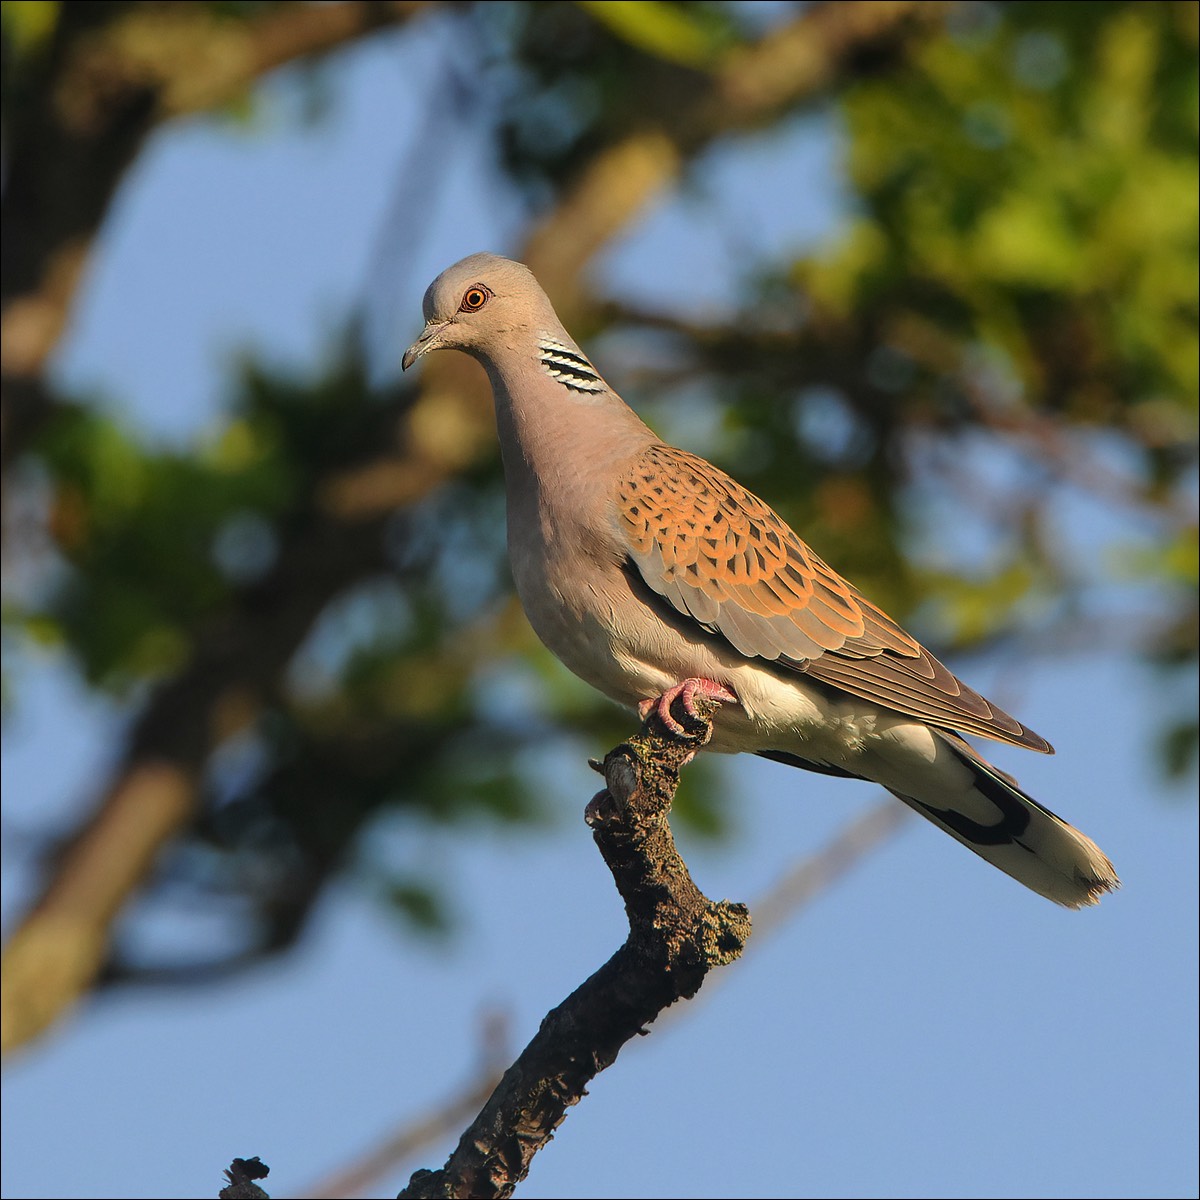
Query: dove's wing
720	555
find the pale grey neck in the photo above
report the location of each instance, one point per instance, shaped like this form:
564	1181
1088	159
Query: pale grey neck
559	445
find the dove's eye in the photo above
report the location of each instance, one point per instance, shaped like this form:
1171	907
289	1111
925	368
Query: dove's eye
474	298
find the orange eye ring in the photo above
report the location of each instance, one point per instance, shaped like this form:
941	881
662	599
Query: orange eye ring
474	298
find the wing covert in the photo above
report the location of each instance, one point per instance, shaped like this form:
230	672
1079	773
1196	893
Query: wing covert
720	555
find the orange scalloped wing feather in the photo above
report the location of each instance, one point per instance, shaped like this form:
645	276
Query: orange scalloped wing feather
718	554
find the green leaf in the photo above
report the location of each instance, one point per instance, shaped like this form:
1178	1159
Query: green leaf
28	24
666	31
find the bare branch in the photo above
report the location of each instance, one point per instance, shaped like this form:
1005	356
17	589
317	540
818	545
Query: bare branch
676	936
242	1173
800	885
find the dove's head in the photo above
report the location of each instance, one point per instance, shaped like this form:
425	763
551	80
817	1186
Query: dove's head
474	304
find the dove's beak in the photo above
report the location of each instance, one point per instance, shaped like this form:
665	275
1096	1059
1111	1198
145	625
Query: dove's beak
426	342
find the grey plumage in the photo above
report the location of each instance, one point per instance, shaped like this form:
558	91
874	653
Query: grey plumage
643	567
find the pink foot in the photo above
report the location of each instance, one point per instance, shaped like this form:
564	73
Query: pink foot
689	689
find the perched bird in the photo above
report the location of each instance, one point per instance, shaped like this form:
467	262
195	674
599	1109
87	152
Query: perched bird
654	576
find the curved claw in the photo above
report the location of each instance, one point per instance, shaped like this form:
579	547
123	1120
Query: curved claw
688	690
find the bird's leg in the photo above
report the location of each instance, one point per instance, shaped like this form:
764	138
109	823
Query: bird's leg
689	689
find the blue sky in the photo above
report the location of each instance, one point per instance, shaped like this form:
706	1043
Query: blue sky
925	1028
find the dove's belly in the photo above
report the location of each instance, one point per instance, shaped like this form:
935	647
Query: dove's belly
612	639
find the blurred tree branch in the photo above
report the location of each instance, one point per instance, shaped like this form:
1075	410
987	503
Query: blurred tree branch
435	1123
820	356
76	117
55	952
1041	219
753	83
828	323
235	666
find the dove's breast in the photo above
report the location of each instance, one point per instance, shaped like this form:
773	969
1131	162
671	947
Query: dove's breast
610	631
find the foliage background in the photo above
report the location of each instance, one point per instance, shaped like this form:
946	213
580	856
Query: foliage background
289	784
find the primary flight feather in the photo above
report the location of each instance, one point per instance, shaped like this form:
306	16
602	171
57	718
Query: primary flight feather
652	574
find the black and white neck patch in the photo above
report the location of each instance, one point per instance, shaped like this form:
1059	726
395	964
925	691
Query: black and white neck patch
568	367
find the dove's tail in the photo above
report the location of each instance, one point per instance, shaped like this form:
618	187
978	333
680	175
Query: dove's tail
1029	842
